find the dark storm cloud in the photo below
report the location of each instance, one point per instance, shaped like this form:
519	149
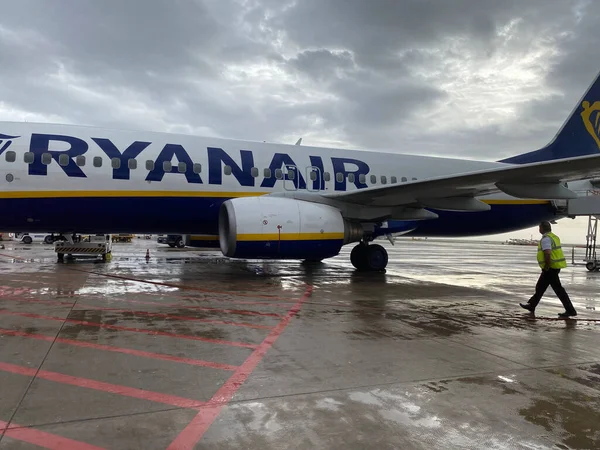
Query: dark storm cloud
478	78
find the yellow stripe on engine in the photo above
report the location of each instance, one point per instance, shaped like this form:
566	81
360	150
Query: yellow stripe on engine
290	237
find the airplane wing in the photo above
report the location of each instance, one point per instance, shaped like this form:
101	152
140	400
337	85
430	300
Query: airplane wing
543	180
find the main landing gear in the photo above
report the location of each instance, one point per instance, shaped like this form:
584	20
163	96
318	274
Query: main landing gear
369	257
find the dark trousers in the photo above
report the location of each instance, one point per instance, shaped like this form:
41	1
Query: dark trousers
550	278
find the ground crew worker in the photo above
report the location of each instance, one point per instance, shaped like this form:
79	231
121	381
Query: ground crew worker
551	259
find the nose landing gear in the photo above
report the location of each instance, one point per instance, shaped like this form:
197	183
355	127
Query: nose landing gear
369	258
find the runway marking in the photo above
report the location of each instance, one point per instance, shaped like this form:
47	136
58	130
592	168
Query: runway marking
135	330
194	431
141	313
110	348
42	439
87	383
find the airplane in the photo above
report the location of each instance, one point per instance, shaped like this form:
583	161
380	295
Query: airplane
276	201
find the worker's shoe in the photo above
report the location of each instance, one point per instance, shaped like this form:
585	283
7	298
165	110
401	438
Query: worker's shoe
527	306
567	314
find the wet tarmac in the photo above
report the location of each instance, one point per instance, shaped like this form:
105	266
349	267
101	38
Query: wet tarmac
192	350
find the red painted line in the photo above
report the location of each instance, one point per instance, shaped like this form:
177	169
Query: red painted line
135	330
142	313
194	431
127	351
43	439
102	386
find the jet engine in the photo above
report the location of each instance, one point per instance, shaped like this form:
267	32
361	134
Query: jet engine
267	227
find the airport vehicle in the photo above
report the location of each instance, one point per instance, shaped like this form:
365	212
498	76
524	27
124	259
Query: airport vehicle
122	237
94	244
275	201
172	240
28	238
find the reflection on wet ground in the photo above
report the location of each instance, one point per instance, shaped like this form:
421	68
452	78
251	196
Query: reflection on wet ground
197	350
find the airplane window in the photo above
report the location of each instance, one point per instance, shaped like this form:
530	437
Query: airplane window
404	180
80	160
197	168
383	179
63	160
351	177
149	165
394	180
291	174
278	174
97	161
326	176
254	172
414	179
362	178
373	179
46	158
267	173
313	175
11	156
115	163
227	170
182	167
339	177
28	158
167	166
132	164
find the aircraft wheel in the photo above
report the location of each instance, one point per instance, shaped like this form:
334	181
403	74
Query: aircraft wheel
358	256
376	257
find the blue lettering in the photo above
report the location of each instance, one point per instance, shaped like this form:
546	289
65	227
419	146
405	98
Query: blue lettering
319	183
339	166
280	159
166	155
7	143
215	172
123	172
40	144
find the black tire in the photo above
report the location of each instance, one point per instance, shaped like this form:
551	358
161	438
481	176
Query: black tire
180	243
591	266
27	240
358	256
48	240
376	258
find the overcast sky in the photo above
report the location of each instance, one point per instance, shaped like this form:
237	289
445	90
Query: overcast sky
482	79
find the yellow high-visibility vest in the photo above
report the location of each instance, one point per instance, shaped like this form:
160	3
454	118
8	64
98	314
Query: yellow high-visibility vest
557	257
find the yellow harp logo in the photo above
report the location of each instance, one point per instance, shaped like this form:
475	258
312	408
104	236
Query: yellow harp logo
591	119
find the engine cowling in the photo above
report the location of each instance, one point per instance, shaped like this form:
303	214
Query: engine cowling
281	228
